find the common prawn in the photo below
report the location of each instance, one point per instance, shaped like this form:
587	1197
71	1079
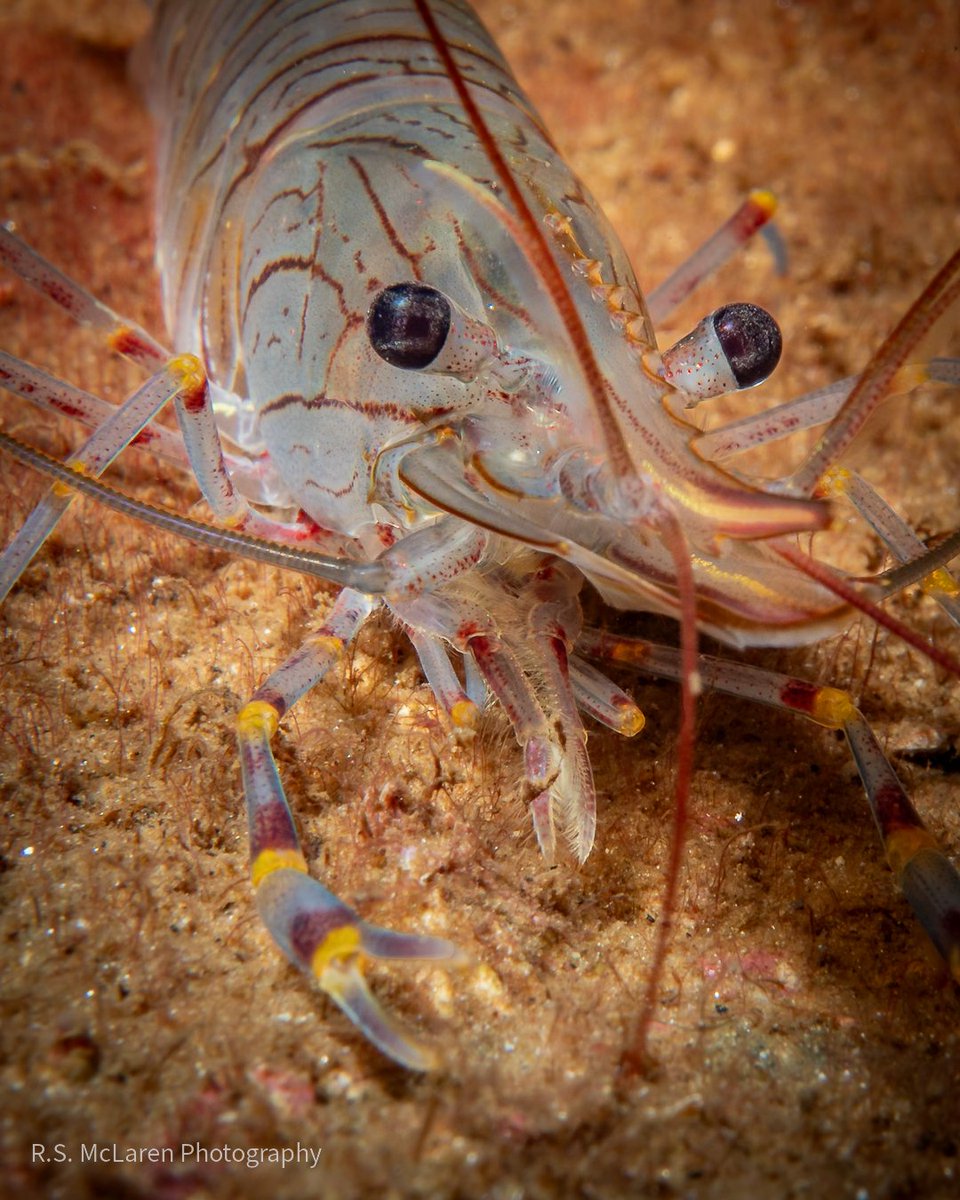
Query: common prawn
485	491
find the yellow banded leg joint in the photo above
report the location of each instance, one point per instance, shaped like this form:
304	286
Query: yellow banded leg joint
903	845
832	707
268	861
257	717
340	943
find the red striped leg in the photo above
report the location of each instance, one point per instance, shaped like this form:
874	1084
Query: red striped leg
317	931
782	421
926	875
56	395
603	700
469	628
555	621
752	215
123	336
191	394
100	449
254	475
873	385
542	754
895	534
813	409
443	681
201	440
525	665
431	556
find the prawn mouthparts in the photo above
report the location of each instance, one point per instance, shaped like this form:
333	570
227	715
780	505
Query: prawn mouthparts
412	360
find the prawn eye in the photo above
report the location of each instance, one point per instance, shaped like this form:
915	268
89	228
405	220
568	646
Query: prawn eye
735	347
408	325
751	340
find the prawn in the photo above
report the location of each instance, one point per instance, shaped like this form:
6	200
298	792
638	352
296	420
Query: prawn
435	383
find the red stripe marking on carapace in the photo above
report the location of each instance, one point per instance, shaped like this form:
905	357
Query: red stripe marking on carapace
412	257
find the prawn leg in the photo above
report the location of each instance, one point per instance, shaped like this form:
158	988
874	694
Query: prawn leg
178	378
125	337
895	534
181	378
524	667
465	625
318	932
440	675
601	699
940	293
48	393
815	408
752	216
921	869
555	621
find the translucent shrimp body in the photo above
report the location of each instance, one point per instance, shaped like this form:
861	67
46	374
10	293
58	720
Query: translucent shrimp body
299	178
432	367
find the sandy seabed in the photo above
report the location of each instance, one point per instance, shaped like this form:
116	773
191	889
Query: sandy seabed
807	1040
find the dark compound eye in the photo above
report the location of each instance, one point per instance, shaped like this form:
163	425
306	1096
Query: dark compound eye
751	340
735	347
408	325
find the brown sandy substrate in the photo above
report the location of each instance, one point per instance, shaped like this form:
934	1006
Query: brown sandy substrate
808	1041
